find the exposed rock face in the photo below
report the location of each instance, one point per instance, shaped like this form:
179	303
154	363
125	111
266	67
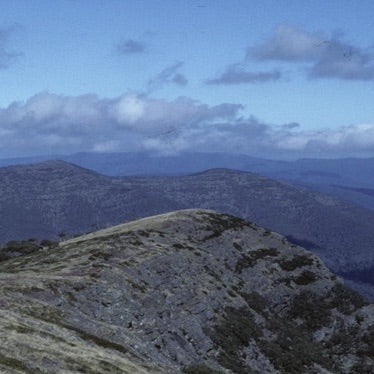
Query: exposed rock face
193	291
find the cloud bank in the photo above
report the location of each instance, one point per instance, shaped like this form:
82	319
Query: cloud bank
48	124
318	55
325	57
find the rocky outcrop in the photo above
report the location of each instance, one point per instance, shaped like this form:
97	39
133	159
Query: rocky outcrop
192	291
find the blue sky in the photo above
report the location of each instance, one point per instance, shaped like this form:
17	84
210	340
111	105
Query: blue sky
269	78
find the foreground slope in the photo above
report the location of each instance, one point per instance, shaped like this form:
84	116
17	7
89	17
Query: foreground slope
183	291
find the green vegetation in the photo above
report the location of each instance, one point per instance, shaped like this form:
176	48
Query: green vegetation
296	262
21	247
45	313
234	332
250	260
219	223
143	233
48	243
199	369
141	287
104	343
237	246
212	273
13	363
306	277
254	301
346	300
100	255
341	341
368	339
266	233
293	350
314	310
17	248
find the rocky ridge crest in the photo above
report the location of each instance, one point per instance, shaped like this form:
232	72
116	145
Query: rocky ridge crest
192	291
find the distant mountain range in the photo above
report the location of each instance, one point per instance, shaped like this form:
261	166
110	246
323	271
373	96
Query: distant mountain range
193	292
55	197
351	179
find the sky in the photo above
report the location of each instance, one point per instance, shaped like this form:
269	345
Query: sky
269	78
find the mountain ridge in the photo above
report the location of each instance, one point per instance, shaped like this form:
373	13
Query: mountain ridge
61	200
47	199
318	174
188	291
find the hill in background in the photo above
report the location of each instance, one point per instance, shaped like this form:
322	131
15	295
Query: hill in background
351	179
47	199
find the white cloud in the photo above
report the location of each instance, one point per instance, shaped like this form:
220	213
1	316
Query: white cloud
352	140
290	44
324	56
128	109
50	123
70	124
